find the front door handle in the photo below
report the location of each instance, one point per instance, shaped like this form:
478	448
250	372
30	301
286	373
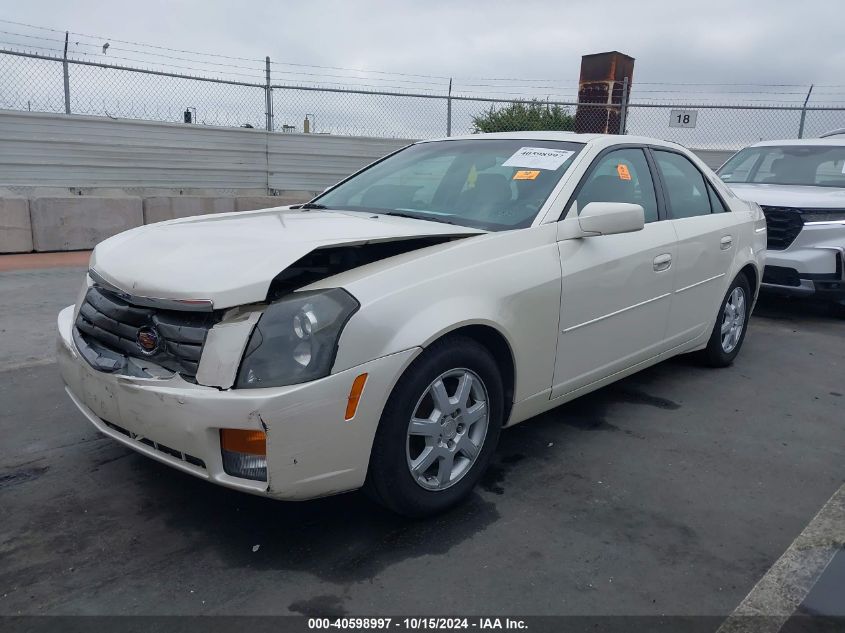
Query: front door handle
726	242
662	262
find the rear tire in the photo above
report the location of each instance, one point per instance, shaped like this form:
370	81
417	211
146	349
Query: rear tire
439	429
731	324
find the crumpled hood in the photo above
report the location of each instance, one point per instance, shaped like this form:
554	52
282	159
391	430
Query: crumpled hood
791	195
231	258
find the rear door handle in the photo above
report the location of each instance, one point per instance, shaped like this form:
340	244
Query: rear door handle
726	242
662	262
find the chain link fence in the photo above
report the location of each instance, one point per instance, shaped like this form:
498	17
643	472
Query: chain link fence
43	83
116	92
357	112
31	83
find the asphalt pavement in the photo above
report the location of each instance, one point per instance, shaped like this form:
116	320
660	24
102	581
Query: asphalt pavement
670	492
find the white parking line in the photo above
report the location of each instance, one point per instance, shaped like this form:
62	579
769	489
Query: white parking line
779	592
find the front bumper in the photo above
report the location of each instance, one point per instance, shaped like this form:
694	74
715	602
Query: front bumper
311	450
813	264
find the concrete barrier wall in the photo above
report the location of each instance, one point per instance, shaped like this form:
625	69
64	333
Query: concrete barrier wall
76	222
15	225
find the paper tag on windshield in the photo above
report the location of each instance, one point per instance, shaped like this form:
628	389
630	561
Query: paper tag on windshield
525	174
623	172
538	158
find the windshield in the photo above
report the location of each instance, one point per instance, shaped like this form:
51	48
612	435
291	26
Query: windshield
492	184
817	165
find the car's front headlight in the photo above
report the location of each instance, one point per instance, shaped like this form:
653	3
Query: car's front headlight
295	339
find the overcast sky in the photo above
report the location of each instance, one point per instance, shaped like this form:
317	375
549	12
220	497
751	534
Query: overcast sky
530	49
767	41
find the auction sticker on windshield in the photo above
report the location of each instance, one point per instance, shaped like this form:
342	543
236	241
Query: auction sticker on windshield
538	158
525	174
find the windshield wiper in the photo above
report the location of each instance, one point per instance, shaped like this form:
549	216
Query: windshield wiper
310	205
400	214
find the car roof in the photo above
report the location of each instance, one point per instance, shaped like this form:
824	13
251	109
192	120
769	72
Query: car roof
603	140
809	142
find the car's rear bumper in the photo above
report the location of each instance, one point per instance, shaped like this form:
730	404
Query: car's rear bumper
312	450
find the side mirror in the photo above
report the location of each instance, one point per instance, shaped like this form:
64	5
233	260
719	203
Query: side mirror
609	218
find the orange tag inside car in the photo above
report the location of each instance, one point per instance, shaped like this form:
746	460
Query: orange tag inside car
623	172
524	174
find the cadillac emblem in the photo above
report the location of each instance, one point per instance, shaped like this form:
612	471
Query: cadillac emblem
148	340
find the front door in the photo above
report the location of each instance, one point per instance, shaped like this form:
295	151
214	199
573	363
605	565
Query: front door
617	289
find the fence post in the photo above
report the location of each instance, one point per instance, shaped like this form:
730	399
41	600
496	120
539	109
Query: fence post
66	77
804	113
623	113
449	110
268	94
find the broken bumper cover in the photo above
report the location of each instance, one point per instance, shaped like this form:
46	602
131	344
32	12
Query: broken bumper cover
311	450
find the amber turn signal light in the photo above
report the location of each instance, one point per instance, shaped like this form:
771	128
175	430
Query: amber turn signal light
243	441
355	396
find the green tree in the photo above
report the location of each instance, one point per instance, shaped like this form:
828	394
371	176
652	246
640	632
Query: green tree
534	115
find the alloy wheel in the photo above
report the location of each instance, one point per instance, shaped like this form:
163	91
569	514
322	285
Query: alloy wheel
447	429
733	320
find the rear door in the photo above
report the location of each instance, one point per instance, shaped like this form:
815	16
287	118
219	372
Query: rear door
617	289
707	240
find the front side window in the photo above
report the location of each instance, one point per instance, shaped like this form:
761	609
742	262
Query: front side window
620	176
492	184
686	191
808	165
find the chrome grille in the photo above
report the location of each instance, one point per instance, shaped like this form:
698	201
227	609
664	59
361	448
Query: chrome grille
109	321
783	224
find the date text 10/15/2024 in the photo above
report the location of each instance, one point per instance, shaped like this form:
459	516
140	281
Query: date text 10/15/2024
417	623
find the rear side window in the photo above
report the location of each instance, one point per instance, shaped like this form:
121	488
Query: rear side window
685	187
715	202
620	176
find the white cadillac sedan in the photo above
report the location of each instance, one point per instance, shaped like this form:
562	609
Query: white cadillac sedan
383	334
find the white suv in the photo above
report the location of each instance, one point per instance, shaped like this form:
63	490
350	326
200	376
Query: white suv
801	187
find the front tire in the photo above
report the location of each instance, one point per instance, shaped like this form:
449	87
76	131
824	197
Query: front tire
729	331
438	430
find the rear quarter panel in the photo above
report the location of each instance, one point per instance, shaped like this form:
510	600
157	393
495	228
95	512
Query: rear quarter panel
751	233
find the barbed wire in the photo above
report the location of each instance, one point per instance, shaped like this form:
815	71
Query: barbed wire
523	83
494	91
111	39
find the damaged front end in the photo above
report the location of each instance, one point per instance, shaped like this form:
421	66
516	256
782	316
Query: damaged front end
288	338
117	336
243	396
